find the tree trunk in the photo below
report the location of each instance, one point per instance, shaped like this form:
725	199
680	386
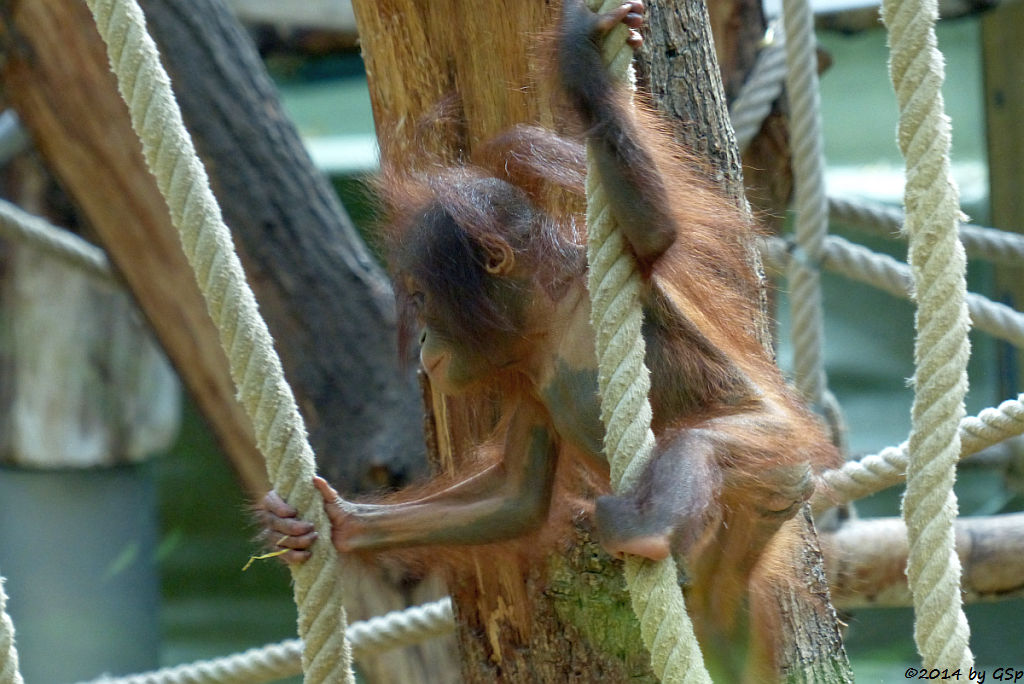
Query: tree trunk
445	76
569	621
326	300
682	70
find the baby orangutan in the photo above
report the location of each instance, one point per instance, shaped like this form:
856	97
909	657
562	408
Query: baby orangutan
496	289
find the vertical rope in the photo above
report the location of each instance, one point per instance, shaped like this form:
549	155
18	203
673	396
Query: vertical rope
255	366
811	223
941	349
9	673
615	286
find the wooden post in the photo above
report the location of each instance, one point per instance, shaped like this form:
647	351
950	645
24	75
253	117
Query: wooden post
568	620
1002	38
86	396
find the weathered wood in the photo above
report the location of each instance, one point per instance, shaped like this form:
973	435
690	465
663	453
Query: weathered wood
678	65
476	64
327	302
56	75
866	560
82	383
1002	43
811	647
864	17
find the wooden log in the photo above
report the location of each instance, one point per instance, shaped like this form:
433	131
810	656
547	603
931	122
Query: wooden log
83	382
56	76
1002	44
866	560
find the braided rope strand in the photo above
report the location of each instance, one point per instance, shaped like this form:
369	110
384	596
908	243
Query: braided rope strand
941	349
615	286
276	661
255	367
811	222
873	473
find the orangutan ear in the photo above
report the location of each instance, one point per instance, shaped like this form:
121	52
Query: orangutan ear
499	259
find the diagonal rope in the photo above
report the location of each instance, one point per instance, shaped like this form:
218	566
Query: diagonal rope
882	271
941	349
981	242
255	367
761	89
615	285
873	473
276	661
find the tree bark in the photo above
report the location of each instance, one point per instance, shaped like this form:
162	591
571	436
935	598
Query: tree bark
326	300
678	65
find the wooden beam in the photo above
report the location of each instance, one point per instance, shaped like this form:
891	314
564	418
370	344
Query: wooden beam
1002	38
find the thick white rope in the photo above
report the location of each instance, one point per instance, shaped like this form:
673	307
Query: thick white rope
811	221
615	286
871	474
857	262
941	349
9	673
277	661
761	89
998	246
255	366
